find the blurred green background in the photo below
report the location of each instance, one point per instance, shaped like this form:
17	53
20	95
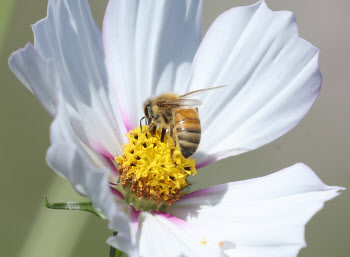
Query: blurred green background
321	141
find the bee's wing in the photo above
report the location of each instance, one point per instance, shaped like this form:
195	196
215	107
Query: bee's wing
197	92
183	100
180	102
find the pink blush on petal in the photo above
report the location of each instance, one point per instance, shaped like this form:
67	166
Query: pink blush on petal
171	218
198	193
126	121
134	214
116	193
205	163
107	156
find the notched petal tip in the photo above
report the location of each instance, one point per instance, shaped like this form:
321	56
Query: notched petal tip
37	73
14	60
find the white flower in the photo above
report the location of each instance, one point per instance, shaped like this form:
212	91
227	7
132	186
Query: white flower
94	85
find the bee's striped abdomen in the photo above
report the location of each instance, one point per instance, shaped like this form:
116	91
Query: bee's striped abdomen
188	130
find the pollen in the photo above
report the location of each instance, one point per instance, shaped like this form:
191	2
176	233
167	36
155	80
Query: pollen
152	169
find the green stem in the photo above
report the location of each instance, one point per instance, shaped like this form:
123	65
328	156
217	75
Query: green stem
113	252
74	206
119	253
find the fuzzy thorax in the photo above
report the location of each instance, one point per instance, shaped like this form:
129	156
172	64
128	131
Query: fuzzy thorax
152	171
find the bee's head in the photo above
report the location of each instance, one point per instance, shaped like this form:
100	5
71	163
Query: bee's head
147	110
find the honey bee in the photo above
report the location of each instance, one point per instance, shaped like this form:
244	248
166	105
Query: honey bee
176	115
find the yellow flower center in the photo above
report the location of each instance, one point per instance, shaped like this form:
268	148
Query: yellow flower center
152	170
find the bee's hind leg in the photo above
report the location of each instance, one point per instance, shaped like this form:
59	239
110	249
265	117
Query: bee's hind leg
174	140
172	134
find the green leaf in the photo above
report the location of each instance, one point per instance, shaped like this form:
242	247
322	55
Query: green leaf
74	206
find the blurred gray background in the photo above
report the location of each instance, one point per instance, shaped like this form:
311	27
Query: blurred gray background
321	140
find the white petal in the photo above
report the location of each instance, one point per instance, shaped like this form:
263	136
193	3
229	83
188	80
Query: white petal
161	234
37	74
70	37
164	235
63	131
84	168
66	71
70	44
128	242
272	76
264	216
149	48
89	180
87	171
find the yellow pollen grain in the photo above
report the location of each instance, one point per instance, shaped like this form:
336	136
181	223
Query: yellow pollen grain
126	210
203	242
153	169
221	244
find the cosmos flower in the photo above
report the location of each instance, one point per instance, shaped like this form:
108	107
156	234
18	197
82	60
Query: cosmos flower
94	84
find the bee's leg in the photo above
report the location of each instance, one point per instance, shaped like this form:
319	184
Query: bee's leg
174	140
152	128
141	123
163	135
172	128
164	130
172	154
171	131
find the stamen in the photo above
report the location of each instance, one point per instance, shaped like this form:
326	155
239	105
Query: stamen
152	169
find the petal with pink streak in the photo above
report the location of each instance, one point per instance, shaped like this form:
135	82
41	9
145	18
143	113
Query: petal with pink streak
272	79
257	215
149	48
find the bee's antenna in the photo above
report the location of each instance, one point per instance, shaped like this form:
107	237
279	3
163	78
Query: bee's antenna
141	122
